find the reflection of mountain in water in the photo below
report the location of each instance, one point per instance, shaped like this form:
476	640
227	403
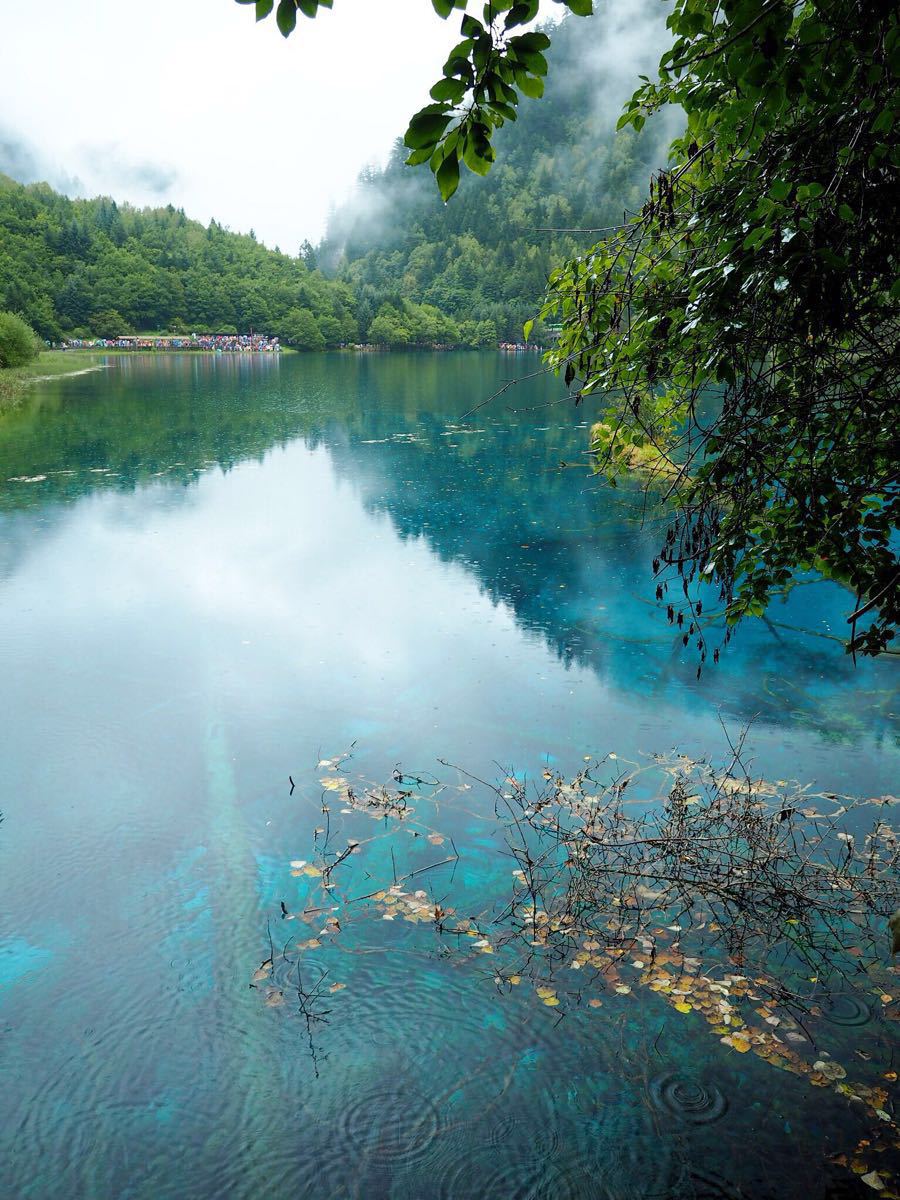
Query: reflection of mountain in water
570	558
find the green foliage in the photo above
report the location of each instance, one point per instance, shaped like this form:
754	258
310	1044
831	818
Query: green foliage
111	324
746	319
101	268
19	344
562	168
299	329
408	324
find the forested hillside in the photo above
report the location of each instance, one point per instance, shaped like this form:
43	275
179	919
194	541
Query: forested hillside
398	267
484	258
81	267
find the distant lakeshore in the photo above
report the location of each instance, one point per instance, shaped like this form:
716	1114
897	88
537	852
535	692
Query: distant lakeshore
217	343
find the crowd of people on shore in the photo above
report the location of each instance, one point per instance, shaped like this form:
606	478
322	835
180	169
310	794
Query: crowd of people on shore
519	347
224	343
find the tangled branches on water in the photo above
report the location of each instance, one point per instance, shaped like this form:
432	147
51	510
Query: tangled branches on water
771	876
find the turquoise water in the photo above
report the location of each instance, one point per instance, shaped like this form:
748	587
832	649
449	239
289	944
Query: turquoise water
215	573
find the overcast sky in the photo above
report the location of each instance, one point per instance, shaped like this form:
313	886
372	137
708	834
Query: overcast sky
191	102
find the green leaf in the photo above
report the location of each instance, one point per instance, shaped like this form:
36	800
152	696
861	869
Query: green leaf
520	14
530	85
451	90
527	328
471	27
286	17
529	43
447	176
425	129
478	153
581	8
263	8
419	156
506	111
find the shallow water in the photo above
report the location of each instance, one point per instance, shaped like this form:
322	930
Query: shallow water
215	572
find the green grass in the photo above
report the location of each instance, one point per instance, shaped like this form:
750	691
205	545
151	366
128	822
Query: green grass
14	381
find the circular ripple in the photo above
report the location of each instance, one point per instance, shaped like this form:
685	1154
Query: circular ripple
845	1008
704	1185
687	1099
486	1178
534	1141
396	1129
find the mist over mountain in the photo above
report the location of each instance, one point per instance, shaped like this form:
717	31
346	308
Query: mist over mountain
483	259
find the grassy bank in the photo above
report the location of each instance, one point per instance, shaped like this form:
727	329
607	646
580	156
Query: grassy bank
14	381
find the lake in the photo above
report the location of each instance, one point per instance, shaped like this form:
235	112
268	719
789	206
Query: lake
218	577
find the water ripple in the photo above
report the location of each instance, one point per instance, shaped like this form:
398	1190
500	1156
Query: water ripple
687	1099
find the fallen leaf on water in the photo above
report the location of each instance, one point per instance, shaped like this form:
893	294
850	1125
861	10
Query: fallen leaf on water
333	783
623	989
831	1070
435	839
595	1003
274	999
298	863
260	975
514	979
874	1180
309	869
551	1001
682	1007
337	987
545	992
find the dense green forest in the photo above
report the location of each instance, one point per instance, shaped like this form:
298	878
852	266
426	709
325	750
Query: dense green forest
483	259
95	267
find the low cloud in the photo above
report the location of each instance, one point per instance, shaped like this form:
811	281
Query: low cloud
22	161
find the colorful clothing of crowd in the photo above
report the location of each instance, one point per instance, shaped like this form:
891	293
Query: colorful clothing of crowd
223	343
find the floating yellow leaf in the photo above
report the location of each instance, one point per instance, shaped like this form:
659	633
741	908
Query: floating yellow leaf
545	992
740	1044
623	989
309	869
514	979
681	1006
873	1180
551	1001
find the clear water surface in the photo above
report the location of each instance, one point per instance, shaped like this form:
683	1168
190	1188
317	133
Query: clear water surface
215	572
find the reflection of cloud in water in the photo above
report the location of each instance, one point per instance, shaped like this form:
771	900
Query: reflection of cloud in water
276	579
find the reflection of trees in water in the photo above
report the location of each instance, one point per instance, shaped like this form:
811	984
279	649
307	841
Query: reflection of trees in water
570	560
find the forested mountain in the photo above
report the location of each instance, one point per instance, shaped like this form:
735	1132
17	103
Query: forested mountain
80	267
483	259
399	267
